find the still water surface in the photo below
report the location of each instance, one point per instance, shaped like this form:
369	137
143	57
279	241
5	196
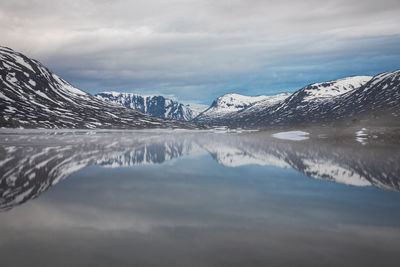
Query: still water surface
196	199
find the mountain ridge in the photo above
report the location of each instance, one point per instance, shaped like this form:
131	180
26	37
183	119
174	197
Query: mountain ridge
346	98
228	104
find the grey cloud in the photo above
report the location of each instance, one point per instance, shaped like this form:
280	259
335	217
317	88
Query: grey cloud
174	46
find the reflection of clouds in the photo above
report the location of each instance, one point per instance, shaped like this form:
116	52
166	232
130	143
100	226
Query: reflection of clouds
46	215
386	234
137	205
151	203
194	219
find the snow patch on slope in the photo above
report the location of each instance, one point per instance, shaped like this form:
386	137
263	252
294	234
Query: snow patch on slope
232	103
319	168
197	108
334	88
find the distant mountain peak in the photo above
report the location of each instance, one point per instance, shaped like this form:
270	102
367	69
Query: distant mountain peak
155	105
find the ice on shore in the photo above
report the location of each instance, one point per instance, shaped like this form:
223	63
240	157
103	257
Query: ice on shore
292	135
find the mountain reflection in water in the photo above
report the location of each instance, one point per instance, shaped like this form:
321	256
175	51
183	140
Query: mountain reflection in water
31	163
185	198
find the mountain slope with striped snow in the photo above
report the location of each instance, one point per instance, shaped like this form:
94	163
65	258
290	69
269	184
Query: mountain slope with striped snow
324	102
32	96
326	90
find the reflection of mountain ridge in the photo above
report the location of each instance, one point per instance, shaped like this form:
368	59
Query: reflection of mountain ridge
350	164
29	169
30	164
154	153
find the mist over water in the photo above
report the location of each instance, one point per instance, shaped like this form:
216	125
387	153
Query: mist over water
187	198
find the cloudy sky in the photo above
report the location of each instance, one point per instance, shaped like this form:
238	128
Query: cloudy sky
197	50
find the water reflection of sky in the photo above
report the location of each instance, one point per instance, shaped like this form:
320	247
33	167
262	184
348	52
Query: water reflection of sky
194	211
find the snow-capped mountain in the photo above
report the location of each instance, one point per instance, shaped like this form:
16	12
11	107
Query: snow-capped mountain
32	96
230	104
304	105
323	102
158	106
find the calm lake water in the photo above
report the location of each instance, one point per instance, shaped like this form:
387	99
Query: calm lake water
180	198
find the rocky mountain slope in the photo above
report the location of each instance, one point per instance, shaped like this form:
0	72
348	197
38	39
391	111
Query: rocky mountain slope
323	102
32	96
157	106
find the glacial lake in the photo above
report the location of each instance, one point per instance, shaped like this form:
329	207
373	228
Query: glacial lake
187	198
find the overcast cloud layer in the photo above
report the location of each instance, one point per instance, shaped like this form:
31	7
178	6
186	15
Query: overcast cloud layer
198	50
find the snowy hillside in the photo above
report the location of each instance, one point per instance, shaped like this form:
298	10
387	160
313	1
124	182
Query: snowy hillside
232	103
319	102
324	90
32	96
197	108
